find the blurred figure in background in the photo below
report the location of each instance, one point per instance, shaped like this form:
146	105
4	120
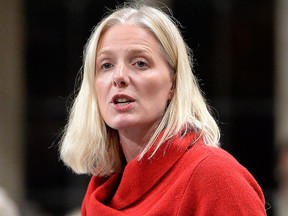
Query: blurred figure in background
281	197
7	206
75	212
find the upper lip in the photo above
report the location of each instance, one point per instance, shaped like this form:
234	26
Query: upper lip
122	96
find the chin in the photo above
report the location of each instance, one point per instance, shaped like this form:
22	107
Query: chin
121	125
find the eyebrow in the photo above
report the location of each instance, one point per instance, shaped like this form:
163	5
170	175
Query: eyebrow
140	50
132	50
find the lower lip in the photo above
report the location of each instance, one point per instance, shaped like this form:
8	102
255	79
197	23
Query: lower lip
123	107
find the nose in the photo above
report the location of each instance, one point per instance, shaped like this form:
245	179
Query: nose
120	77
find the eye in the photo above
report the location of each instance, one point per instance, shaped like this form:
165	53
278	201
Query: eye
106	66
142	64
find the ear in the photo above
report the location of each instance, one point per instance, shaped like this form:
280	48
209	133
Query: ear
171	93
172	89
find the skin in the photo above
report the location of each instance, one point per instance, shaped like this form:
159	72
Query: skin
131	69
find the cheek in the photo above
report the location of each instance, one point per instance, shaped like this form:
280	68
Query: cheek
100	93
164	89
102	104
161	94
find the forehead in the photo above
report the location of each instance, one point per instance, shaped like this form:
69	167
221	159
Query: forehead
124	35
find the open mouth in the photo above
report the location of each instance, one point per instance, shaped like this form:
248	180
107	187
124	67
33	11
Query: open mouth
122	101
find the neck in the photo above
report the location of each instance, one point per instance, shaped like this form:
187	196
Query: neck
130	149
133	143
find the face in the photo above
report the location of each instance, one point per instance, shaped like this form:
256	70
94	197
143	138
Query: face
133	82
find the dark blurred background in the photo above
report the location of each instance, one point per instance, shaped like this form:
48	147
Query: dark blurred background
234	44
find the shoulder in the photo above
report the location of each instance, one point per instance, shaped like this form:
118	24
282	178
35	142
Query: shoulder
218	181
218	167
214	158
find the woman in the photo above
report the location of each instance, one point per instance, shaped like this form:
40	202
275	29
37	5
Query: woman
142	128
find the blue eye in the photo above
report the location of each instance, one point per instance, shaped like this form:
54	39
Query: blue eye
141	64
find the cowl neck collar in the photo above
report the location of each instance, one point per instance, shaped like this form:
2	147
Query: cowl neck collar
139	176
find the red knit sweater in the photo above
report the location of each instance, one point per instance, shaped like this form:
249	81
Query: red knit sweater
179	180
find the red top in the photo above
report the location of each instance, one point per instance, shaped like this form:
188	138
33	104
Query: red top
180	179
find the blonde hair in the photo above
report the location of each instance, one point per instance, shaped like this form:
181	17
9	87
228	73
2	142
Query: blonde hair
88	144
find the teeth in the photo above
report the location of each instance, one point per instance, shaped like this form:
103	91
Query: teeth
122	100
